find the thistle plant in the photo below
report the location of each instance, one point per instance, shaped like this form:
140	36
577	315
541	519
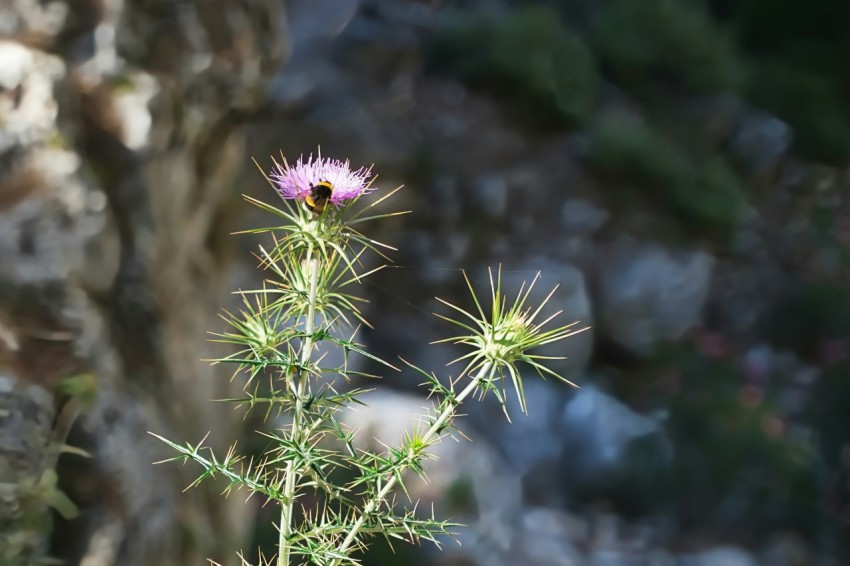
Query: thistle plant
334	498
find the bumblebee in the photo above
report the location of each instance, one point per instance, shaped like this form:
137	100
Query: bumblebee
319	196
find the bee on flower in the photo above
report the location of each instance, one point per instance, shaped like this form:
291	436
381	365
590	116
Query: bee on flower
319	182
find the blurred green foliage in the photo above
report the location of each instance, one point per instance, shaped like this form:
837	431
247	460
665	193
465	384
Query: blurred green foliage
704	194
785	56
626	144
812	105
526	55
738	462
815	313
828	412
718	200
799	53
461	496
828	415
647	44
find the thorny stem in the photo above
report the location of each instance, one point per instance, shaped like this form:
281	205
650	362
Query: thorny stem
432	432
285	529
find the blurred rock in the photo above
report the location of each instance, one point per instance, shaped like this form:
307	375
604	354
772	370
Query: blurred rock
760	141
292	90
582	217
785	549
131	110
39	22
531	437
547	537
314	23
720	556
608	547
758	364
386	418
39	242
757	139
490	195
28	104
613	557
648	293
613	454
660	557
536	537
531	442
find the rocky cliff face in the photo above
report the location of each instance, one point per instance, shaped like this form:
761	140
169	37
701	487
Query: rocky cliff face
120	133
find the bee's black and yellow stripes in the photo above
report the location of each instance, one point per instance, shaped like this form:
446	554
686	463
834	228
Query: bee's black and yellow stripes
319	196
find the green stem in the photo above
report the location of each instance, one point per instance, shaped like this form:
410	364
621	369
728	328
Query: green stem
430	435
291	480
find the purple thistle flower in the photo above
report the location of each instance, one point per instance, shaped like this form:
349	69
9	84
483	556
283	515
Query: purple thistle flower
296	182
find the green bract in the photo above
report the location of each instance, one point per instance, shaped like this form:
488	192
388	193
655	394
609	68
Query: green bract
503	338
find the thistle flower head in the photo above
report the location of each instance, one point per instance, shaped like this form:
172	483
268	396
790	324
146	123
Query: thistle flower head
504	340
323	222
503	337
297	181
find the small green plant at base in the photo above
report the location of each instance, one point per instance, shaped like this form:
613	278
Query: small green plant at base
284	332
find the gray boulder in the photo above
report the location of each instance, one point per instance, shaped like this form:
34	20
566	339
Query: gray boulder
612	453
648	293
